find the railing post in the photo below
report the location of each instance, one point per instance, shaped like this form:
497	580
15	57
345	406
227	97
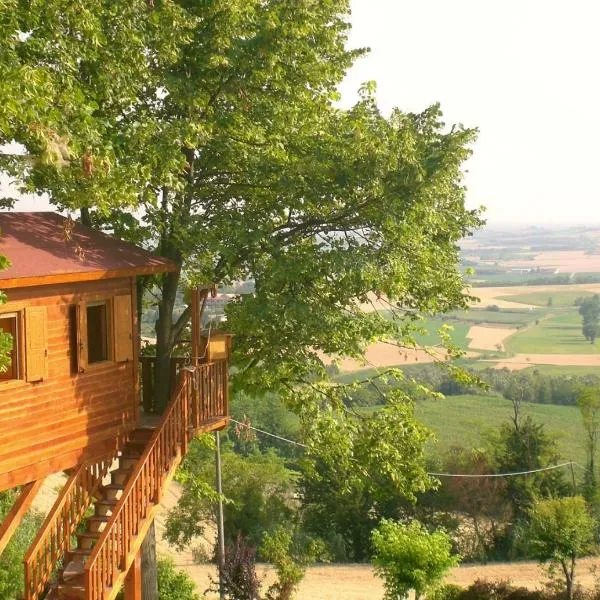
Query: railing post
184	419
225	388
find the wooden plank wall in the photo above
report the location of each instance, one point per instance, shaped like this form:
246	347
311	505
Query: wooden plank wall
50	425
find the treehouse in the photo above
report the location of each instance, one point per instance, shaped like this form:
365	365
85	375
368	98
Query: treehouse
70	401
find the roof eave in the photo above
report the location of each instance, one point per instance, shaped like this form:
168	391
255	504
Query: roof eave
21	282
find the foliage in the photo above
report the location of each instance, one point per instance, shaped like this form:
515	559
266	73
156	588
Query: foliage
173	584
482	589
290	559
269	413
258	489
240	581
589	405
11	560
533	385
483	501
526	447
353	474
559	532
589	309
408	557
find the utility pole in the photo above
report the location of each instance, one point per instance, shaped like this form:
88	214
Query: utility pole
220	524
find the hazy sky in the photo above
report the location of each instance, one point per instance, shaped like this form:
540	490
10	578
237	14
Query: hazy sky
525	72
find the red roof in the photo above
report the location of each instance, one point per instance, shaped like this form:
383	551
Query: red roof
43	248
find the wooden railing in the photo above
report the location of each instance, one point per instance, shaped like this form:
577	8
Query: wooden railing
200	396
54	537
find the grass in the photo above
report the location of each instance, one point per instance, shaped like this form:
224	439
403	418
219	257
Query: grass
511	316
559	298
463	421
566	370
458	335
558	335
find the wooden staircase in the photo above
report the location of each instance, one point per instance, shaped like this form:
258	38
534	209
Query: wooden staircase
124	500
71	580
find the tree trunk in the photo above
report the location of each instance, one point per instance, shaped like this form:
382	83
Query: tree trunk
149	572
164	341
85	216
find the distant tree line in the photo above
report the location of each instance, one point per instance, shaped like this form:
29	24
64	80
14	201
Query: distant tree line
536	279
526	386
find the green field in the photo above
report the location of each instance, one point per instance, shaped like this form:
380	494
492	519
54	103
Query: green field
463	421
557	335
563	370
559	298
458	335
510	316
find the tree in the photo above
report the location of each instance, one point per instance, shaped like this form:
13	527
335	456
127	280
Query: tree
353	474
483	500
589	309
258	489
217	122
588	403
526	449
290	560
408	557
559	532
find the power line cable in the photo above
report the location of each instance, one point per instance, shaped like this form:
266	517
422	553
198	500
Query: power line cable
278	437
511	474
466	475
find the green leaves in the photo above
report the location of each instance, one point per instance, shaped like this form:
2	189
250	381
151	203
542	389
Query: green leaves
408	557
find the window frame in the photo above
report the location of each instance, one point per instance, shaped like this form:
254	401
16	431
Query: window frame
17	310
81	305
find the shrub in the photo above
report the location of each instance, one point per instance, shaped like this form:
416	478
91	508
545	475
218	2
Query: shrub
408	557
240	581
559	532
174	584
487	590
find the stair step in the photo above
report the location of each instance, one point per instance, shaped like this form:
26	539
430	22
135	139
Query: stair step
87	539
103	506
129	454
96	521
73	569
121	475
117	487
142	433
78	555
73	590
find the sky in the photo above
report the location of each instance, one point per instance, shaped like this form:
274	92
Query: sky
524	72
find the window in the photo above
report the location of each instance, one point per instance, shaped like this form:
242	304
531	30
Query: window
97	332
9	323
104	331
29	352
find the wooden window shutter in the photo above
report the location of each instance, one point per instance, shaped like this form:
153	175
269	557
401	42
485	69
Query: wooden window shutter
123	326
36	343
82	341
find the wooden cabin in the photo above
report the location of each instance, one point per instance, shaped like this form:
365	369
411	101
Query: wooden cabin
70	401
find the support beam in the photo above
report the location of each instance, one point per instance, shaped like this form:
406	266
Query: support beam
17	512
133	582
195	326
